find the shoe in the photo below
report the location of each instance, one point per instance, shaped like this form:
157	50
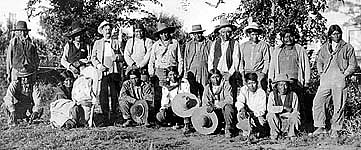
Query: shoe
319	130
127	123
334	134
176	126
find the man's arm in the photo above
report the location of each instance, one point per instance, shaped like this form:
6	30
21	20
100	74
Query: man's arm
228	99
271	106
145	61
94	58
64	57
241	99
151	63
8	60
211	57
124	92
127	51
351	61
180	59
266	58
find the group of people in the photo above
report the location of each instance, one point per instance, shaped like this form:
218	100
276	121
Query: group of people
204	85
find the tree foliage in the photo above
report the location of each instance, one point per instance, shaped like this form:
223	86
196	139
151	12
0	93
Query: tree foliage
274	15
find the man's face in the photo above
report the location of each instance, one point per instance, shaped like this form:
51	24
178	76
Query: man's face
23	34
107	31
172	76
289	39
164	36
225	34
139	33
282	87
198	36
336	36
68	82
135	79
252	85
78	38
216	79
254	36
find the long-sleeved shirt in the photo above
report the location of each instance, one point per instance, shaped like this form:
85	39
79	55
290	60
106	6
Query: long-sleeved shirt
254	57
168	95
255	101
137	51
132	93
14	96
219	98
273	108
222	64
164	55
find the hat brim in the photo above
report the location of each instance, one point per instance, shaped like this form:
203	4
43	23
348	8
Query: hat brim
245	30
285	80
75	32
178	103
139	119
197	31
167	29
23	75
233	27
197	116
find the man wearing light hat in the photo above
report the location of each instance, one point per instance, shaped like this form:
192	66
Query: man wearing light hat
22	96
283	109
196	55
138	48
223	52
107	58
165	53
254	55
21	54
75	50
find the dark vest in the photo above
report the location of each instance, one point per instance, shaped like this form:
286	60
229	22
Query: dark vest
74	54
24	55
288	101
218	53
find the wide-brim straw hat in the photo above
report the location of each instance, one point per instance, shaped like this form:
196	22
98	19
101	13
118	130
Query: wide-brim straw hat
139	111
282	77
224	23
252	25
184	104
196	29
162	27
204	122
22	73
21	26
100	27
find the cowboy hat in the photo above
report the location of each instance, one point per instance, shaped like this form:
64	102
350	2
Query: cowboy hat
196	29
162	27
100	27
282	77
252	25
21	26
139	111
204	122
224	23
184	104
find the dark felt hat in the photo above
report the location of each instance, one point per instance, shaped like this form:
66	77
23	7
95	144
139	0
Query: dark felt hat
21	26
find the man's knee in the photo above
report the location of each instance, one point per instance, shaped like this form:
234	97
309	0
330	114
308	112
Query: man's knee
271	116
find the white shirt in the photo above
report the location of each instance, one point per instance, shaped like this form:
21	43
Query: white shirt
222	64
168	96
255	101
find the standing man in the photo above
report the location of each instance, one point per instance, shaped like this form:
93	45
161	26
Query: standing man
165	53
138	48
21	54
196	55
254	55
107	58
336	60
224	50
75	50
217	97
251	106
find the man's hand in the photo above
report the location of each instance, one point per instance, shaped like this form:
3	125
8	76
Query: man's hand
73	69
243	114
210	109
287	109
261	120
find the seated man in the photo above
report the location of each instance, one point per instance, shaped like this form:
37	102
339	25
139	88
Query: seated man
173	87
134	90
217	97
283	109
251	106
63	91
22	96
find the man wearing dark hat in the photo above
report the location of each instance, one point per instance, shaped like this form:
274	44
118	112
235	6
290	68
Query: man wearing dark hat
254	55
196	55
138	48
224	50
75	50
21	54
165	53
336	61
22	96
283	109
134	90
107	58
217	97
